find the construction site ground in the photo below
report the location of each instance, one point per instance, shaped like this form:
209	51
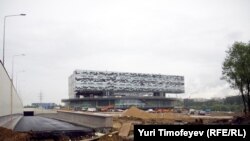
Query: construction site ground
123	125
123	122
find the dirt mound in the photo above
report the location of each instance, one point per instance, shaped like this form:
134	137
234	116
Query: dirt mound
241	120
9	135
115	137
135	112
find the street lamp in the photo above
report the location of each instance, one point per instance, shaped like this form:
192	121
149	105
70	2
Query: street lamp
13	57
4	31
11	89
16	78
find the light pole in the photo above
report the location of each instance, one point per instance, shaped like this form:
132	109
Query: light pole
13	57
16	78
11	88
5	17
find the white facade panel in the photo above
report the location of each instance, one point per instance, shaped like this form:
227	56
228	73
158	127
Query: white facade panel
85	80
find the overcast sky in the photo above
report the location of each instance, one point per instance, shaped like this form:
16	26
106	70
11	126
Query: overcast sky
176	37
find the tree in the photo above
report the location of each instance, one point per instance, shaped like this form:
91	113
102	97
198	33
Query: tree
236	71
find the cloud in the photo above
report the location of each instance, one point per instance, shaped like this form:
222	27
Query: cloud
169	37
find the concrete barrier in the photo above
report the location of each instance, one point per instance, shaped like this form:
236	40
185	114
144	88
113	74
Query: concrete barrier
6	106
92	120
10	104
10	121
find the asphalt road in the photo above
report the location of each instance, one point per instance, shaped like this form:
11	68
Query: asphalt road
40	124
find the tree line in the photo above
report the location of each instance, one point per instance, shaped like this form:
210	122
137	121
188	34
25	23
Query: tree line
232	103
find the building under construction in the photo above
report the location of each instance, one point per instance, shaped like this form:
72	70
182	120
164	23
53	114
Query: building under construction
122	90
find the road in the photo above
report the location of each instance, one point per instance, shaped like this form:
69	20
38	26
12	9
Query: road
40	124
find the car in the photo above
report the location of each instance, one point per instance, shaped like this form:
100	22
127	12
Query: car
201	112
150	110
119	110
91	110
191	111
84	109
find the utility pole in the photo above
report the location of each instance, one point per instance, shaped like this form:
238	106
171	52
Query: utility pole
41	98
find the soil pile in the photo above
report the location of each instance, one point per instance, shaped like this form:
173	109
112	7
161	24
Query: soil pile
108	137
9	135
135	112
115	137
241	120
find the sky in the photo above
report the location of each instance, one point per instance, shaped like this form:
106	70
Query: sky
171	37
